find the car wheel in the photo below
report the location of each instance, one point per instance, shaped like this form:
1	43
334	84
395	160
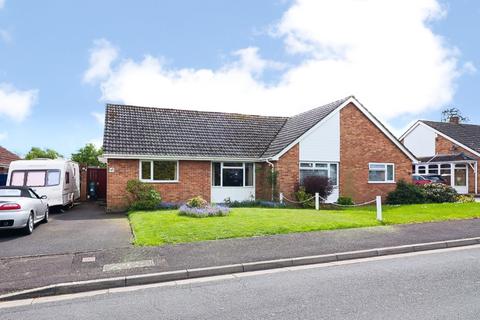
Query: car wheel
45	218
30	225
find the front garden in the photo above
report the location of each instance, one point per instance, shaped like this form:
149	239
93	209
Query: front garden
160	227
198	220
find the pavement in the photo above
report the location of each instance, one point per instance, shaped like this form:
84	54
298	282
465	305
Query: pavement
85	227
22	273
428	285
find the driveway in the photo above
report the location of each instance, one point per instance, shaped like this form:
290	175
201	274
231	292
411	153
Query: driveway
85	227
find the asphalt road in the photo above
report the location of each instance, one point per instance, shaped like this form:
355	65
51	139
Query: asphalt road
83	228
440	285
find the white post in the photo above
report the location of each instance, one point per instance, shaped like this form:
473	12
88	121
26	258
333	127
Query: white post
379	208
317	201
281	197
476	178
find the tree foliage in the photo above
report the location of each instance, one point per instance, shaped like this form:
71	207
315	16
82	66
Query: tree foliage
36	153
88	155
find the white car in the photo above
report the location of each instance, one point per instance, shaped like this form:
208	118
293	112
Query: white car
21	208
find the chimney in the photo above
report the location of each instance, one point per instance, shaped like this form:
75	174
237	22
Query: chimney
454	119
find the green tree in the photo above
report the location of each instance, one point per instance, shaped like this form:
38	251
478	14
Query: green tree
36	153
88	155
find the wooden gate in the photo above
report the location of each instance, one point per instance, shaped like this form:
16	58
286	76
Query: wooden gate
99	177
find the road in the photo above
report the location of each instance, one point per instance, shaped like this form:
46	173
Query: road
433	285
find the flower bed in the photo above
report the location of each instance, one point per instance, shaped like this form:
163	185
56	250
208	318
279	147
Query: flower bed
203	212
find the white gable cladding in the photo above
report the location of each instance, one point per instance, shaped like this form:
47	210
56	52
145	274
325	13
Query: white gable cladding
421	141
322	144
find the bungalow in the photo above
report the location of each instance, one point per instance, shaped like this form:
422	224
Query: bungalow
220	156
5	158
450	149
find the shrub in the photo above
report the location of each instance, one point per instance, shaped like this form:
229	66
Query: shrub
439	193
302	196
320	184
253	204
197	202
143	196
465	198
406	193
203	212
345	201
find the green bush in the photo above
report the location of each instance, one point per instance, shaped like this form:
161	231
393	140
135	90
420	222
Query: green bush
302	196
439	193
465	198
345	201
197	202
143	196
406	193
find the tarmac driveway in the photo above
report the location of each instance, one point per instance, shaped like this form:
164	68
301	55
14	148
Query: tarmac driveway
85	227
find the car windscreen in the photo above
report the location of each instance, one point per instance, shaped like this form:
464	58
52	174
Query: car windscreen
35	178
10	193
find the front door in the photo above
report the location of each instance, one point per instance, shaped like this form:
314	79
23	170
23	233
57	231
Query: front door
460	178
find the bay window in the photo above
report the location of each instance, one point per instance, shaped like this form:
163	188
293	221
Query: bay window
381	172
232	174
329	170
158	171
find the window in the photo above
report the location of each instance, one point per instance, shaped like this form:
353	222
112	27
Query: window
433	169
159	171
381	173
17	178
67	177
36	178
329	170
422	170
233	174
53	177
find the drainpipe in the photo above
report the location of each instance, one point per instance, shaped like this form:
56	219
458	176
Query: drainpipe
272	166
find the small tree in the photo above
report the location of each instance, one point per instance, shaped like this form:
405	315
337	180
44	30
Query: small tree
36	153
88	155
318	184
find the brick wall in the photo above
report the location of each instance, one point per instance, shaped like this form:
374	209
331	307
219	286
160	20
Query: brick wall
288	172
445	146
361	143
194	180
263	190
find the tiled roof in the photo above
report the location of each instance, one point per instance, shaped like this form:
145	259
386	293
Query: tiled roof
447	158
134	130
6	156
466	134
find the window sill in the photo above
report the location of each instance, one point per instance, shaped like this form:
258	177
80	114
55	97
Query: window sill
160	181
246	187
382	182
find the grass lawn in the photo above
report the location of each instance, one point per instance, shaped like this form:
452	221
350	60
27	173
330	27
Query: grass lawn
166	226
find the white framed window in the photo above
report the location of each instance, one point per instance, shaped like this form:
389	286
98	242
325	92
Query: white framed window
158	171
233	174
381	173
325	169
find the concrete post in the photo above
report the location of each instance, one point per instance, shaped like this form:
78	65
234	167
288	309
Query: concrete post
317	201
281	197
379	208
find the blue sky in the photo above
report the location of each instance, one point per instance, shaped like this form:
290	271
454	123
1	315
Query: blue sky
240	56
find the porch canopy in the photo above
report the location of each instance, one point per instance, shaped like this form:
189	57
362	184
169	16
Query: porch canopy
454	168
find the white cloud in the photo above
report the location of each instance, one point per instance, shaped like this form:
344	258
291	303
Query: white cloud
101	58
384	52
97	142
14	103
2	4
100	117
3	136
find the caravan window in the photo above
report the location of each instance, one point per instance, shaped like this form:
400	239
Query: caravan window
17	179
67	177
53	178
35	178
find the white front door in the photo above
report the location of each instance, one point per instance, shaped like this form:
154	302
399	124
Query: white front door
460	178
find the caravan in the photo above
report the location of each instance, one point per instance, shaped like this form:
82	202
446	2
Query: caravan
57	179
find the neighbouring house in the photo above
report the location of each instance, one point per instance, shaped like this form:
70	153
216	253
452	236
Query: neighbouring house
450	149
5	158
220	156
